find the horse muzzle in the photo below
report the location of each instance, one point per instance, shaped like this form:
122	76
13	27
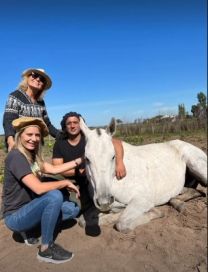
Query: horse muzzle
104	204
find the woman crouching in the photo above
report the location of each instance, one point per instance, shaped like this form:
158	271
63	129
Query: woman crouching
27	201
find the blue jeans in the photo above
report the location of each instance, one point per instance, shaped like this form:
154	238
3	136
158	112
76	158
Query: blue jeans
69	210
46	210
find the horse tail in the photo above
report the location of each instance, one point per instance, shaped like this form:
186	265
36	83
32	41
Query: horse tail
195	159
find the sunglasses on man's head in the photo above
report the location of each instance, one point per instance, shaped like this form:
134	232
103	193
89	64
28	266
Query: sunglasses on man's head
36	75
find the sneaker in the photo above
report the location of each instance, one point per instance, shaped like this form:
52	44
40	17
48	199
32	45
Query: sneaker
55	254
29	241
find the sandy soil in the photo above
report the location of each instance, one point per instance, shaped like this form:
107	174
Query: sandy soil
176	242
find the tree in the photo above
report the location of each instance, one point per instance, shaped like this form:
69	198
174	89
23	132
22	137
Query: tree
200	109
194	110
119	121
202	100
181	111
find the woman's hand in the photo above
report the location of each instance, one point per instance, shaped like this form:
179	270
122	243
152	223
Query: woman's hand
10	142
78	161
71	187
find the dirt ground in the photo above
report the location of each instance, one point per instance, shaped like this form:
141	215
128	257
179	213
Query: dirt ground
176	242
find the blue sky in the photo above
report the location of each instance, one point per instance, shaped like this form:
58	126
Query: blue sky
122	58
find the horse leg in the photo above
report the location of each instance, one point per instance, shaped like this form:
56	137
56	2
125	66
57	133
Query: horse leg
178	202
135	214
103	219
110	218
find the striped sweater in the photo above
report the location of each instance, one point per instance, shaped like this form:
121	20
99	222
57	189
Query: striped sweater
18	105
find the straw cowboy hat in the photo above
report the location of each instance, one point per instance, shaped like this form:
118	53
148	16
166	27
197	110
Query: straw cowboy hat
40	72
24	122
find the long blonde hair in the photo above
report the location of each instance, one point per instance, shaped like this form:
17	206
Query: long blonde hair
23	86
32	157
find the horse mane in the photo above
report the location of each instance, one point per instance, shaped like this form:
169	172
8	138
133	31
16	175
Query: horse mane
98	131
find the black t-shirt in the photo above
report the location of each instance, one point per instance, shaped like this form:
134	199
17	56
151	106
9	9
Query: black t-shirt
64	150
15	193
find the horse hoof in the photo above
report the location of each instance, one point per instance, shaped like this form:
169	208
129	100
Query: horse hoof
118	227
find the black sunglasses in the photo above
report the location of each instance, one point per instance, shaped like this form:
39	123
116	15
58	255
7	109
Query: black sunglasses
36	75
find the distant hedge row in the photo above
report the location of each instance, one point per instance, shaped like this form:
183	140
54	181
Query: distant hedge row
162	128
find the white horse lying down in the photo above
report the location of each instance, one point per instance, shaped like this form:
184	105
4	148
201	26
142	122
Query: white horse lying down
155	175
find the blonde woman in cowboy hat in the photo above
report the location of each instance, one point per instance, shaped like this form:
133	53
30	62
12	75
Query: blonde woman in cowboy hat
27	201
28	101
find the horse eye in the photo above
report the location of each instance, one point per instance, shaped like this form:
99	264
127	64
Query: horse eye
113	158
87	160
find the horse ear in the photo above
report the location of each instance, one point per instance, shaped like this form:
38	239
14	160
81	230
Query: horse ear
83	126
111	129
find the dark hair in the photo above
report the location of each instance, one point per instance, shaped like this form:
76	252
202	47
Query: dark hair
66	116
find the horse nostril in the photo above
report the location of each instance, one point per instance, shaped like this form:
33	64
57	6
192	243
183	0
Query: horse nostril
98	202
111	199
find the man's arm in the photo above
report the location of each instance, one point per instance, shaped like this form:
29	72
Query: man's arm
120	167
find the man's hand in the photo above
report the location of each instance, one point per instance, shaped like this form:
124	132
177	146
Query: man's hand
120	169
